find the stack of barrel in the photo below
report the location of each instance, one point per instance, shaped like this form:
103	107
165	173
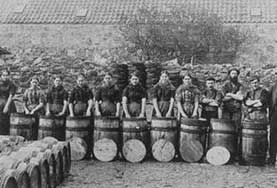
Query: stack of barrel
121	75
153	70
43	163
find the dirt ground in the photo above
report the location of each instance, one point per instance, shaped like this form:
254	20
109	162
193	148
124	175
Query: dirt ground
151	174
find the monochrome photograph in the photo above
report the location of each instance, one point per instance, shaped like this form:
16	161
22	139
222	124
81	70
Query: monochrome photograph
138	93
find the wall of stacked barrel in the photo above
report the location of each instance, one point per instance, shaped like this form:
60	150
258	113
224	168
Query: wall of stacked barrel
33	164
178	121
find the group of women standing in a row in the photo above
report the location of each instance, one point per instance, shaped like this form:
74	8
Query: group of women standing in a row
79	101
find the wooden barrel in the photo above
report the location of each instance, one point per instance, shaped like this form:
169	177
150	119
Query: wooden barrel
50	140
62	147
192	139
218	155
106	138
52	167
69	155
59	165
223	133
254	142
134	150
34	174
81	127
51	126
22	177
4	124
44	169
164	133
135	129
78	148
23	125
7	179
9	144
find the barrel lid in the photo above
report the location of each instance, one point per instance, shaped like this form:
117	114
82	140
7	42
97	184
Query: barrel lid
218	155
8	179
191	150
134	150
163	150
78	148
105	149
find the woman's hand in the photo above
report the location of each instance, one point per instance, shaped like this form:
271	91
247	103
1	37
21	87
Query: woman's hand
168	114
159	115
5	110
141	115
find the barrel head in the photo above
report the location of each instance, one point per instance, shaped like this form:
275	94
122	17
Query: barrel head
105	150
163	150
78	148
218	155
191	150
134	150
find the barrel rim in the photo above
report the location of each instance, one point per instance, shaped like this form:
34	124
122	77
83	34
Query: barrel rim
106	118
221	120
163	118
16	114
79	118
134	119
52	117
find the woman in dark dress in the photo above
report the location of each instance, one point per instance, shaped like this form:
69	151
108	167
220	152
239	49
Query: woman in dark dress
163	96
7	91
56	98
107	98
7	106
81	98
134	98
34	98
187	97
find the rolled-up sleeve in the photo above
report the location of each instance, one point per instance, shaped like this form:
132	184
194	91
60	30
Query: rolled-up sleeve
264	97
178	95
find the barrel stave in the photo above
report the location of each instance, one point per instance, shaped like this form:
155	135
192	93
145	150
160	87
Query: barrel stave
254	143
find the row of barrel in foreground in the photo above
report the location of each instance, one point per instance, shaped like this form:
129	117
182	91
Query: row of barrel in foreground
191	139
37	164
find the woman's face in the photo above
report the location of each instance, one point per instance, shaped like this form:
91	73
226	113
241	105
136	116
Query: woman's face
5	75
57	82
164	78
34	83
81	80
134	80
108	79
187	80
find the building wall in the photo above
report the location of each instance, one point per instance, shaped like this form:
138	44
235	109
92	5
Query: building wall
70	36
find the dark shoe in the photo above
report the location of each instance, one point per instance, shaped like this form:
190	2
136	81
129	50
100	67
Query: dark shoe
271	162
